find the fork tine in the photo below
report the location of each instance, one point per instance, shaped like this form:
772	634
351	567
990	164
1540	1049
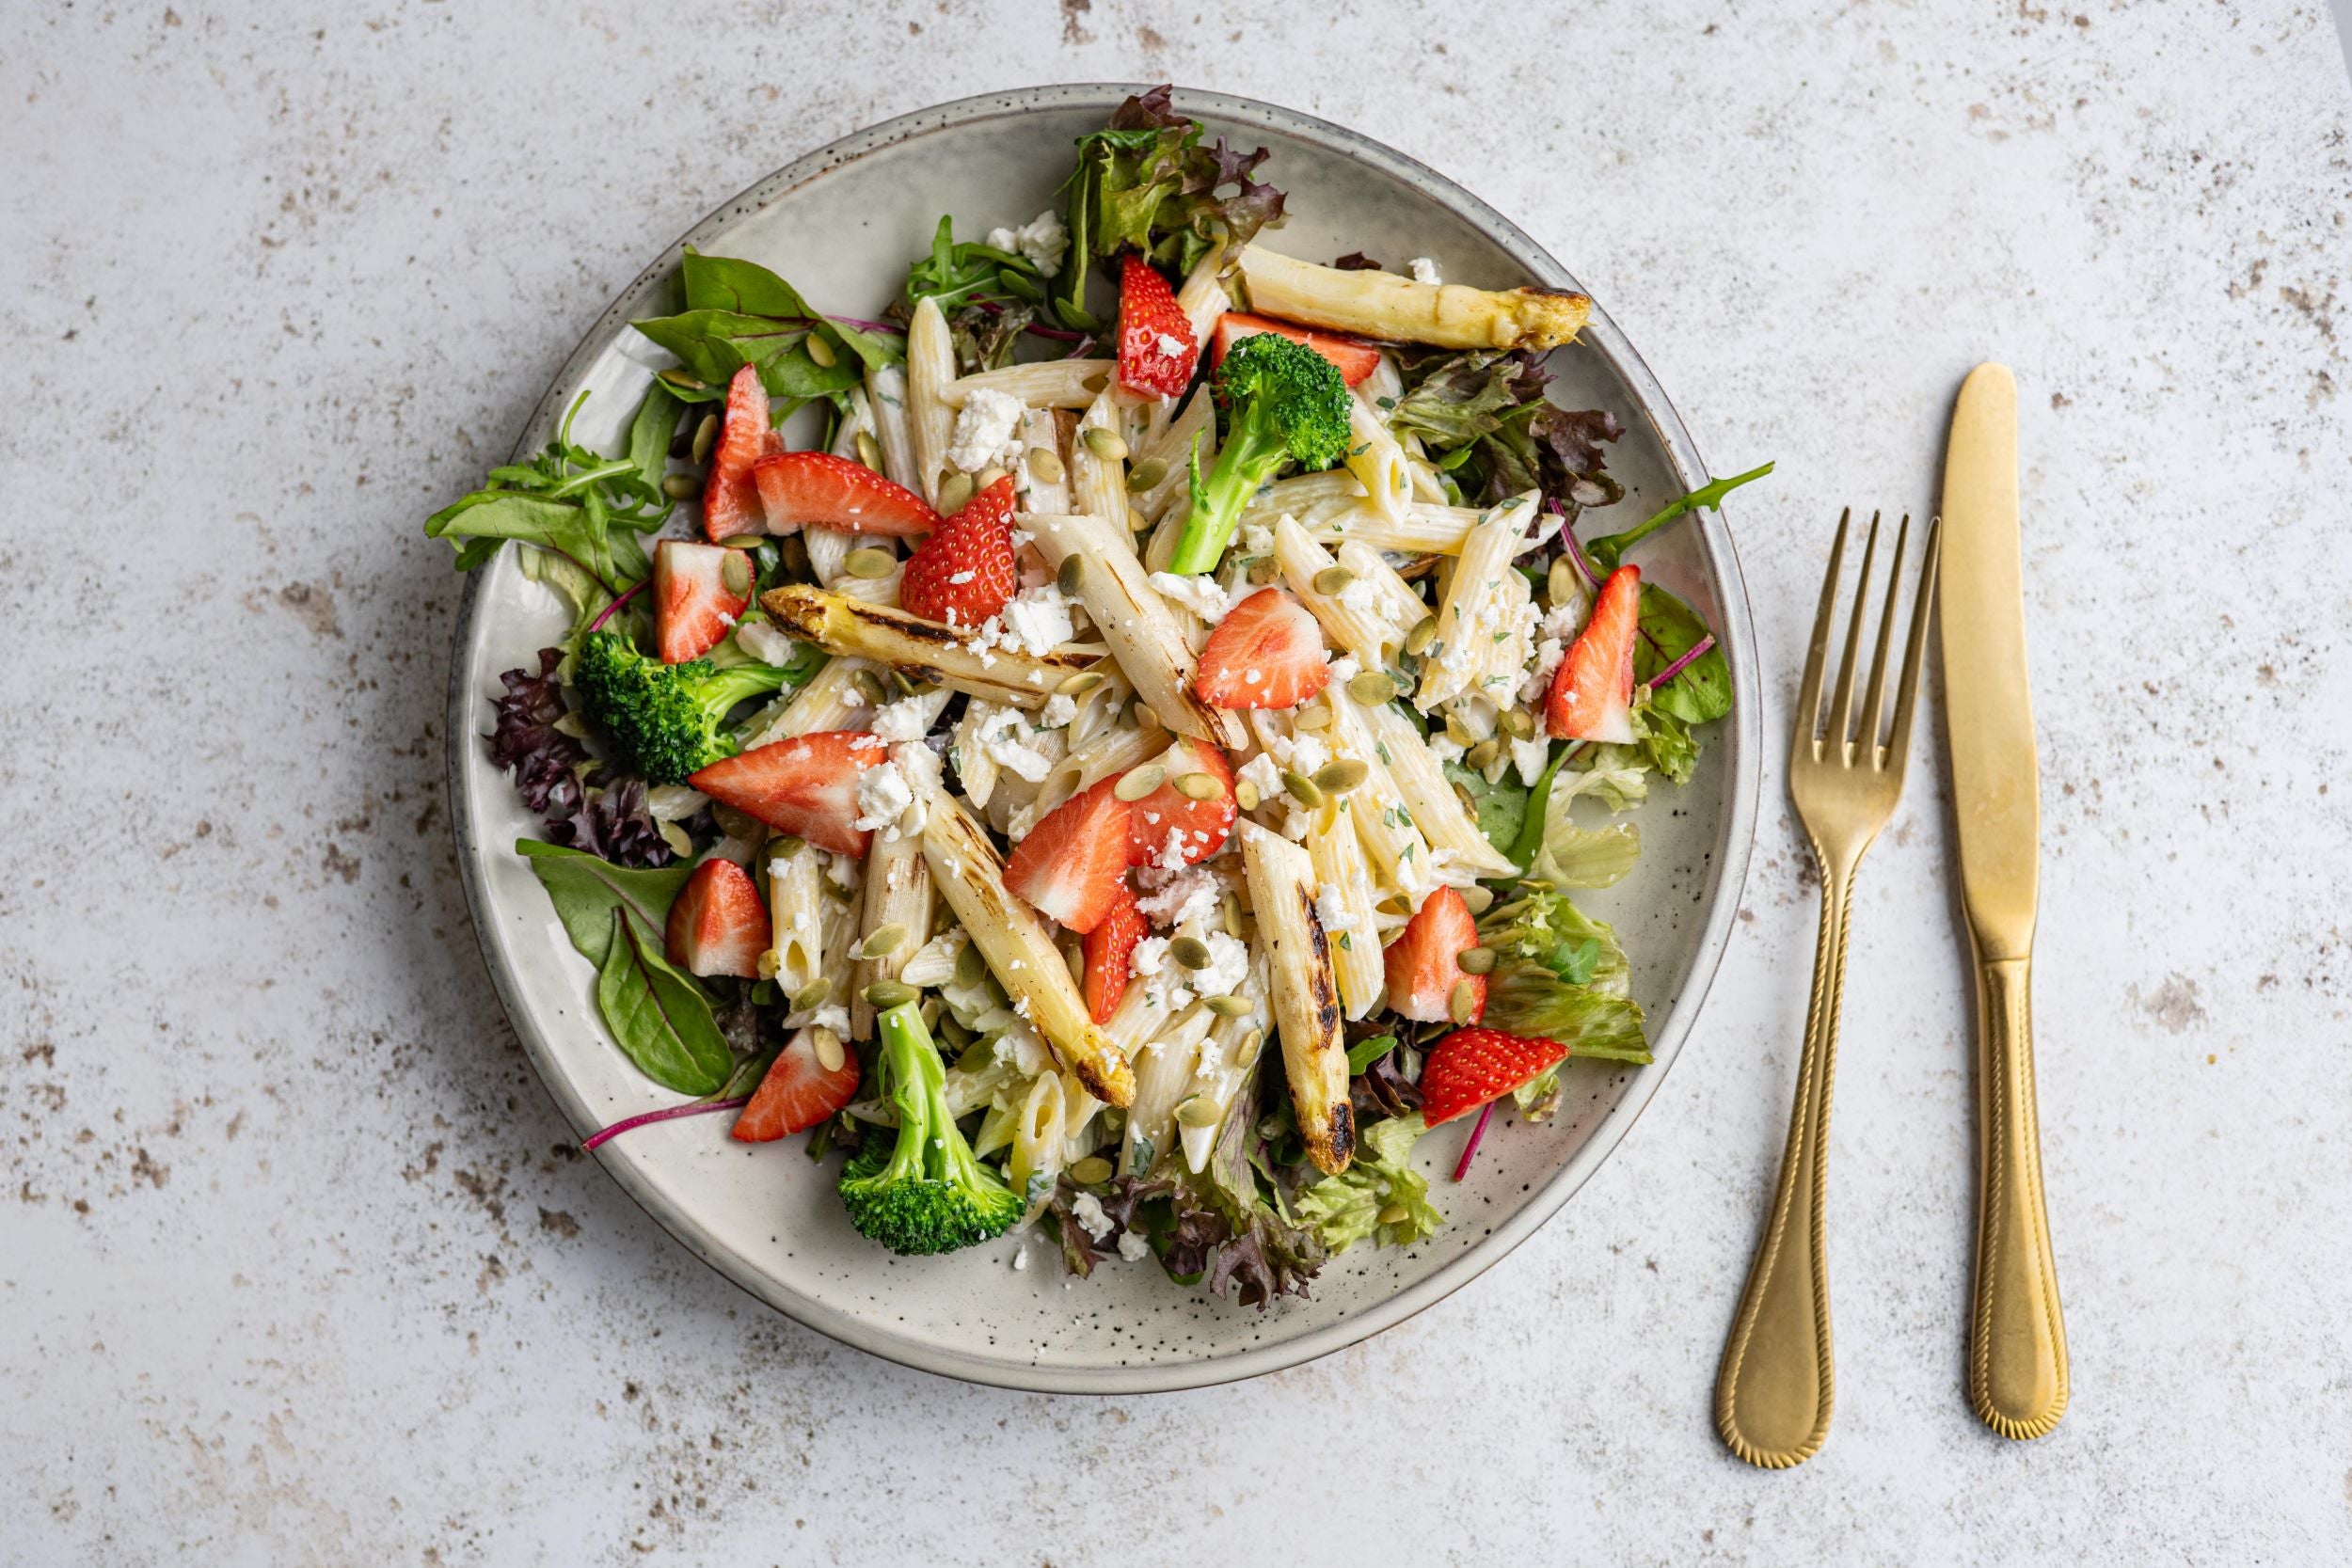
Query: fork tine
1907	700
1809	689
1874	703
1841	706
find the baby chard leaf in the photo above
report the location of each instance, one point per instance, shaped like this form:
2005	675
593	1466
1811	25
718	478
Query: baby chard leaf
588	892
658	1016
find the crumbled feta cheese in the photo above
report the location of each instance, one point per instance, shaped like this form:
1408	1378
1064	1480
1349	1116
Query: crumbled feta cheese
1172	855
1088	1210
842	869
1229	966
1148	957
833	1016
1060	710
908	719
1175	347
1133	1248
1038	619
882	799
1361	597
1529	755
1331	909
1424	270
1022	1049
1021	1254
1004	735
1043	240
987	433
960	578
1262	775
763	641
1203	595
1180	897
1256	539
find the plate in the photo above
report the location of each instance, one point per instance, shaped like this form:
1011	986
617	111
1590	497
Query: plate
842	224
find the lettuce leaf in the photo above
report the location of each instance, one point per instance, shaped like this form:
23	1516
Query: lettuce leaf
1347	1208
1561	974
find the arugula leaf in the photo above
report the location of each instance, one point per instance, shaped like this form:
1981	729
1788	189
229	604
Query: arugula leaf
649	436
659	1017
1366	1051
578	530
1346	1208
989	296
587	892
1608	550
740	313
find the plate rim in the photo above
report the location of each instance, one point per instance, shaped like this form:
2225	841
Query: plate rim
1733	849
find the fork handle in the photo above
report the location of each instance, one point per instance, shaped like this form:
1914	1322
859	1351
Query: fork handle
1776	1388
2017	1375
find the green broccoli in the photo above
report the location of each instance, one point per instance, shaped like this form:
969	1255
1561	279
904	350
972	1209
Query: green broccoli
1285	402
922	1192
664	719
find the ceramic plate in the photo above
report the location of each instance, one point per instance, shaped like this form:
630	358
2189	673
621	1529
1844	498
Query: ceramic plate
842	224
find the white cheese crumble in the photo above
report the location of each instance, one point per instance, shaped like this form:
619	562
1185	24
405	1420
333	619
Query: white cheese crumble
1424	270
908	719
1148	957
1171	346
1060	710
1004	735
882	798
763	641
1182	897
1088	1210
987	432
1203	595
1021	1254
1529	755
1133	1248
1022	1049
1043	240
1331	909
842	870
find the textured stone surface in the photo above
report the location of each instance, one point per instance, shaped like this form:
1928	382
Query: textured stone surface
295	1267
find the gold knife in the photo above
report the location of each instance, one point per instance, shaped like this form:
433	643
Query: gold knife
2017	1336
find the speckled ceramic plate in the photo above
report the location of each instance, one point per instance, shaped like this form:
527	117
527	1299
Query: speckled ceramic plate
842	223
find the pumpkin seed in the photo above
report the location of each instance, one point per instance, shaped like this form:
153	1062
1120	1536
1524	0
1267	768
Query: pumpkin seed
1136	782
1332	580
683	380
1480	899
1196	1110
1071	577
681	488
954	493
1424	633
829	1053
1196	786
792	553
868	686
768	965
985	478
1560	582
820	351
1080	683
1459	733
1517	723
1104	442
1394	1213
869	450
1372	689
675	836
1226	1006
1482	755
1046	464
1146	474
742	541
1535	884
882	995
1462	1003
1093	1168
870	562
1250	1044
706	436
1096	382
1228	908
1396	903
1338	778
734	573
1302	789
929	1012
971	966
1136	521
886	941
1311	718
1477	960
1245	793
813	995
1146	717
905	684
1462	795
1191	952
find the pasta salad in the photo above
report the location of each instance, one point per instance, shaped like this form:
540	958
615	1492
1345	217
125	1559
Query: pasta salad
1099	747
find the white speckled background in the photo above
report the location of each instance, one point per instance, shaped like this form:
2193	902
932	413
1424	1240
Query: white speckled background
294	1264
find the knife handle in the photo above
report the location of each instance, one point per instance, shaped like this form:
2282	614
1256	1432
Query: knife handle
2017	1377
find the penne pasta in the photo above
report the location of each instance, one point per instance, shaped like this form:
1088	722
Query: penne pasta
1097	484
1225	1070
1385	824
1305	995
1113	751
1203	298
1042	481
1038	1138
1041	384
1377	463
1371	615
1343	901
796	901
1469	617
1391	308
829	701
1164	1072
1171	495
1421	784
930	370
897	895
886	404
843	625
976	765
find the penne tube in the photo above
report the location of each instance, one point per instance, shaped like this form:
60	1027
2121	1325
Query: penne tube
1164	1072
830	700
1391	308
1226	1067
1100	710
1421	783
1151	645
843	625
976	765
886	404
1041	384
1305	995
1469	615
1384	824
1508	648
1370	616
1203	298
1042	481
1019	949
1172	494
1038	1137
1386	381
1344	899
1378	462
931	369
1097	484
1082	1120
796	901
897	893
1113	751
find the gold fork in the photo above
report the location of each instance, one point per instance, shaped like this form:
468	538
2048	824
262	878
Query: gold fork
1776	1388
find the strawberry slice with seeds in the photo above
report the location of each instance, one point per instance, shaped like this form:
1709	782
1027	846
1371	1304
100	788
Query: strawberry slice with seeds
1200	825
800	1090
719	926
1108	949
965	572
1592	695
1268	653
798	487
1074	865
1156	348
1472	1066
730	495
1355	357
1424	962
805	787
698	592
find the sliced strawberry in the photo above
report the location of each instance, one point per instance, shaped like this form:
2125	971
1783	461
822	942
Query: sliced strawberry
1424	962
1108	947
1268	653
1592	696
1355	357
1472	1066
798	1092
1202	824
719	926
964	572
1074	865
1156	348
806	786
698	591
797	487
730	495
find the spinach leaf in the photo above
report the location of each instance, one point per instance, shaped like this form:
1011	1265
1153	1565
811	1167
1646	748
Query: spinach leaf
659	1017
1701	690
587	892
1501	807
649	436
740	313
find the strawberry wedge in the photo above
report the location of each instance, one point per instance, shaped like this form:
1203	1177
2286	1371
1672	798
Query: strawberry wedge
1355	357
1424	962
1199	825
797	488
1074	865
1472	1066
1108	949
1268	653
1592	695
730	495
719	926
698	592
799	1092
805	787
965	571
1156	348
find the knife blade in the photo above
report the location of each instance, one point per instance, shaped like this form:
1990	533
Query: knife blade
1988	713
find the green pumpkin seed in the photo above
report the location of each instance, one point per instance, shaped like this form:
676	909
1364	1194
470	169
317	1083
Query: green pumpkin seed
1394	1213
1045	464
820	351
1080	683
830	1055
1251	1045
1396	903
1136	521
1459	733
1302	789
734	573
868	686
1338	778
985	478
1312	717
1480	899
681	488
1093	1168
870	562
742	541
1482	755
1145	717
1372	689
954	493
1071	577
1104	442
869	450
1477	960
1226	1006
684	380
1230	909
1462	1003
1136	782
884	940
1517	723
1535	884
812	996
1146	474
675	836
1462	795
1191	952
971	966
1424	633
1560	583
1196	1110
1245	795
706	436
1198	786
929	1012
1332	580
882	995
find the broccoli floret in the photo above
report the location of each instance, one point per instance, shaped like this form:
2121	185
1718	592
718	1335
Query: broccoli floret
923	1192
664	719
1286	401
